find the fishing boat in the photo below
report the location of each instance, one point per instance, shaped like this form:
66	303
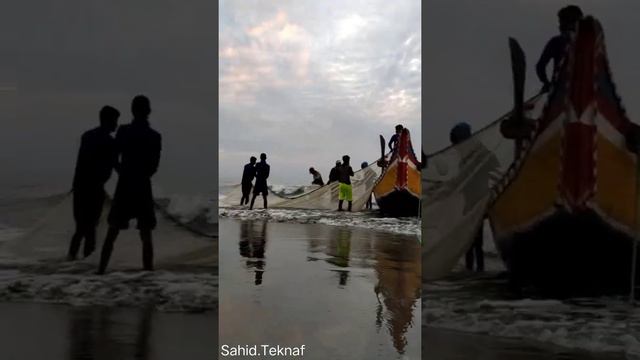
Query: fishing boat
563	217
399	188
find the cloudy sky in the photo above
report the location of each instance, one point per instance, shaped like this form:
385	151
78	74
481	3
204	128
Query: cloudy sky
61	61
467	70
307	81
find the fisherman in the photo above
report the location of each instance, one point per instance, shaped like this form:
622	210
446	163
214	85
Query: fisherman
478	185
393	142
262	173
333	174
555	49
96	159
369	204
248	174
317	178
138	147
344	183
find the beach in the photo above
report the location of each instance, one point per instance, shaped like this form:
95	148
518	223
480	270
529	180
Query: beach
72	313
476	316
344	292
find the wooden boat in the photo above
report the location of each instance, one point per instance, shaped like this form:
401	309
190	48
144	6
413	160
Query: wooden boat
399	188
564	216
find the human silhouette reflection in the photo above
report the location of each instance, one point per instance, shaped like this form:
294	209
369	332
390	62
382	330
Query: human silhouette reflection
253	240
339	250
398	289
94	333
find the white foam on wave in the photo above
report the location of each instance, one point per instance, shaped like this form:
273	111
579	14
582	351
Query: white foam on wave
409	226
607	324
166	291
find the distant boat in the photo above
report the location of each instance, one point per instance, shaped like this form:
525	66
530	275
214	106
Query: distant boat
399	188
564	217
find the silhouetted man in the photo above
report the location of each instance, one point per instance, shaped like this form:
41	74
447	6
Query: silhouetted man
138	147
369	204
248	174
317	178
262	173
555	49
96	159
333	174
345	191
393	142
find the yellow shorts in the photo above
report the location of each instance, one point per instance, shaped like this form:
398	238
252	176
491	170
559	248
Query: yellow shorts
345	192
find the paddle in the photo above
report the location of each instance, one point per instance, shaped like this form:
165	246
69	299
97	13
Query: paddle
518	70
382	162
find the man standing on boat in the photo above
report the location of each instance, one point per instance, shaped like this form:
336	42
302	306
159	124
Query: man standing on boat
393	142
262	173
317	178
345	191
333	174
248	174
96	159
555	49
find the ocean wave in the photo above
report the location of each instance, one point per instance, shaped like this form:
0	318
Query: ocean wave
164	290
478	305
410	226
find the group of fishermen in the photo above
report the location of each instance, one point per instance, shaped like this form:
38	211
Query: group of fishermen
341	173
134	154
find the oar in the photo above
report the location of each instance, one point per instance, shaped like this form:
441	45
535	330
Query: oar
636	238
518	70
382	161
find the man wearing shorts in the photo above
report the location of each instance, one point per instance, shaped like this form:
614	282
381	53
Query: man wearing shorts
248	174
262	173
138	147
345	172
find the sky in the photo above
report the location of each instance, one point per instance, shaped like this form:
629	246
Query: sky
308	81
74	56
467	66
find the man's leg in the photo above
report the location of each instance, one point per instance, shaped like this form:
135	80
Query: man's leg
75	243
90	242
340	205
253	200
350	203
147	249
468	259
479	254
264	196
107	248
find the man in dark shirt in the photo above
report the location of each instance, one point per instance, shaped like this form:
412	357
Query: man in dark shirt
556	47
262	173
96	159
333	174
393	142
248	174
345	172
317	177
139	148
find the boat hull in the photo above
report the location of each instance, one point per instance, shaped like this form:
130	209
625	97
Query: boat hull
399	203
570	254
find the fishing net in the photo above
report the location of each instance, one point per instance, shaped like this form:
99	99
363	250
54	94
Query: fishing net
315	197
457	189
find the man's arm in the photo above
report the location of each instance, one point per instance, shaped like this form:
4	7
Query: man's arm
79	160
267	172
155	160
543	62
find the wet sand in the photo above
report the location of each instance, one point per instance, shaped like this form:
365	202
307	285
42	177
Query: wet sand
345	293
40	331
